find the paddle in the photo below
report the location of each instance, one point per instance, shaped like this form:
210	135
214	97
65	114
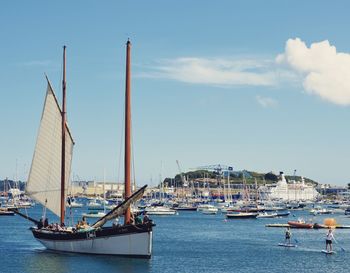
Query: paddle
342	249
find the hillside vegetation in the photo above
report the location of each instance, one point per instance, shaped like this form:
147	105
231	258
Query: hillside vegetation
202	176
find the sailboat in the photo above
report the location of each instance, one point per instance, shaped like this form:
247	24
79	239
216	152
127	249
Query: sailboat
49	177
244	212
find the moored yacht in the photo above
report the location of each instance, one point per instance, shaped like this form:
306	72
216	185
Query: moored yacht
241	215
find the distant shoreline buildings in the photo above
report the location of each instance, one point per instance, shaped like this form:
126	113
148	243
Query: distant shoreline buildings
205	187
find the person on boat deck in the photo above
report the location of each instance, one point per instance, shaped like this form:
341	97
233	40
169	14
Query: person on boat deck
288	235
116	222
329	239
138	220
46	222
78	224
145	218
40	224
84	223
132	218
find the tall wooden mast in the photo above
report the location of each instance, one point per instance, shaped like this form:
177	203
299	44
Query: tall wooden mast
63	155
127	157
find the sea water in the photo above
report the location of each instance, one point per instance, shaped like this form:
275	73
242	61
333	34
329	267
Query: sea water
188	242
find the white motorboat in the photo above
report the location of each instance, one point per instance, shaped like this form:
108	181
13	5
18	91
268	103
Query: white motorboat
110	207
318	210
94	214
93	204
160	210
74	204
266	215
18	204
209	209
229	208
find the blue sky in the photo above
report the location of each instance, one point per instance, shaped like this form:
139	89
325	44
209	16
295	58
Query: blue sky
213	82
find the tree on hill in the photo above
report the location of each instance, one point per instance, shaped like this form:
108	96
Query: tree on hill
271	176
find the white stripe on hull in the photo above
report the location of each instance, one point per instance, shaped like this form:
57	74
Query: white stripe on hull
135	244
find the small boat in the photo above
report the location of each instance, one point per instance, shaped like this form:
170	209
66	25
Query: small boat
325	211
94	205
248	209
242	215
274	208
74	204
209	209
200	207
160	210
6	212
110	207
283	213
94	214
300	224
317	211
185	207
18	205
266	215
225	209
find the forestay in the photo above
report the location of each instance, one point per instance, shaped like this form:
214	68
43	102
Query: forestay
44	182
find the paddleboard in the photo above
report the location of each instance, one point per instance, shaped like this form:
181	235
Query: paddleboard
328	252
287	245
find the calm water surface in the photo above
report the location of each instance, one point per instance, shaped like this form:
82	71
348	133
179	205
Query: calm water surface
188	242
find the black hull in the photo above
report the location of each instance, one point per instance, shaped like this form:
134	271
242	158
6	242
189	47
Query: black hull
7	213
185	209
283	214
235	216
124	241
98	233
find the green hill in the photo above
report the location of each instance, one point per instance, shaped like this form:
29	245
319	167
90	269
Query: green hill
204	176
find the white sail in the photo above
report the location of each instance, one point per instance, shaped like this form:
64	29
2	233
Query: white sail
44	182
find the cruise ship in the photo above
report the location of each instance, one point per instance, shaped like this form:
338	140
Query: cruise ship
294	191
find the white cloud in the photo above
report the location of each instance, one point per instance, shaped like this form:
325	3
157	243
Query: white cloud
322	70
325	72
266	102
224	72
